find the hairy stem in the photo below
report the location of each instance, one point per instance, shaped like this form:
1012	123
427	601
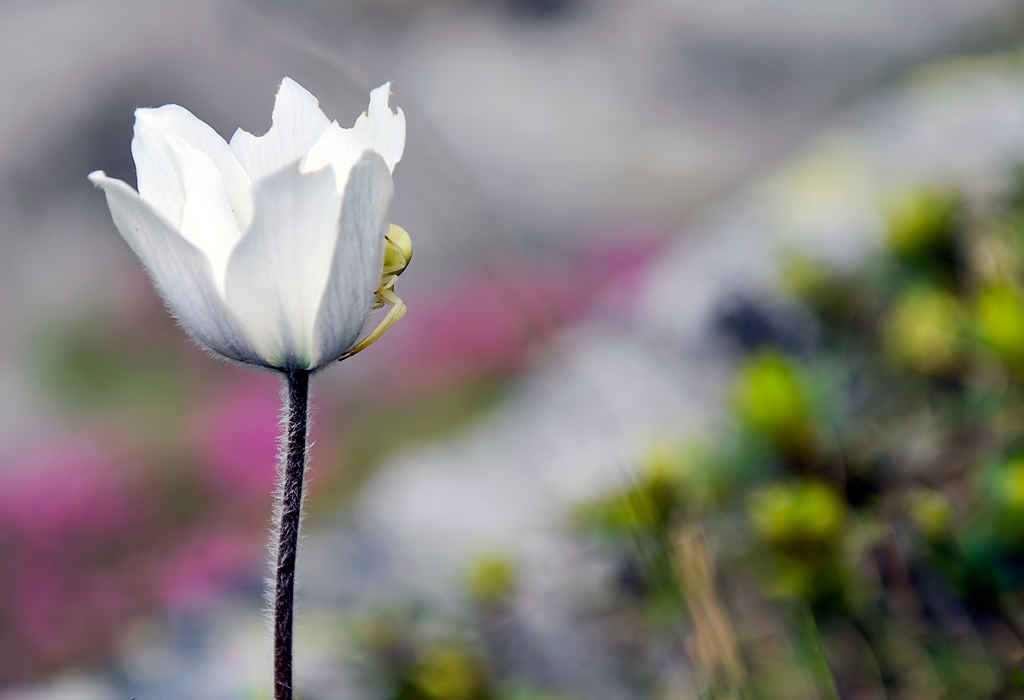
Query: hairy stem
292	475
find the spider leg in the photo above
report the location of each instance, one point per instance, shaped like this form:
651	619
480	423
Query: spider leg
397	310
387	282
395	268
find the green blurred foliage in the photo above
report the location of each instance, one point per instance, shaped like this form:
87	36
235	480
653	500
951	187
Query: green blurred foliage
413	653
868	509
93	367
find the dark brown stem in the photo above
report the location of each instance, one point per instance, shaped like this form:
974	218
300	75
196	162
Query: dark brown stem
292	474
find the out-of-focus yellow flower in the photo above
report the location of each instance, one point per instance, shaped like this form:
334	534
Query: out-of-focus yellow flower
447	673
932	512
1006	491
999	315
923	331
770	396
789	515
492	578
1011	485
920	221
806	278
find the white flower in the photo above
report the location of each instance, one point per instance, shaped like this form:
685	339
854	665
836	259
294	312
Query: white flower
268	249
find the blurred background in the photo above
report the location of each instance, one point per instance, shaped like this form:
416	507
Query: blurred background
712	383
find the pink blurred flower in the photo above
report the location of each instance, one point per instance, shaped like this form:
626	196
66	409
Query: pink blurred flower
237	433
487	321
73	489
207	564
70	516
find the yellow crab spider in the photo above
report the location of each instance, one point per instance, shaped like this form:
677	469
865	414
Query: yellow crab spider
397	255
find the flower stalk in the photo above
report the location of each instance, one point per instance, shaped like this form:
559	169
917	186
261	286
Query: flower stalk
292	476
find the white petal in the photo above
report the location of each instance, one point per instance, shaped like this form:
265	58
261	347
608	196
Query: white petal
341	149
297	124
356	265
206	219
180	271
378	129
277	273
158	179
381	129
